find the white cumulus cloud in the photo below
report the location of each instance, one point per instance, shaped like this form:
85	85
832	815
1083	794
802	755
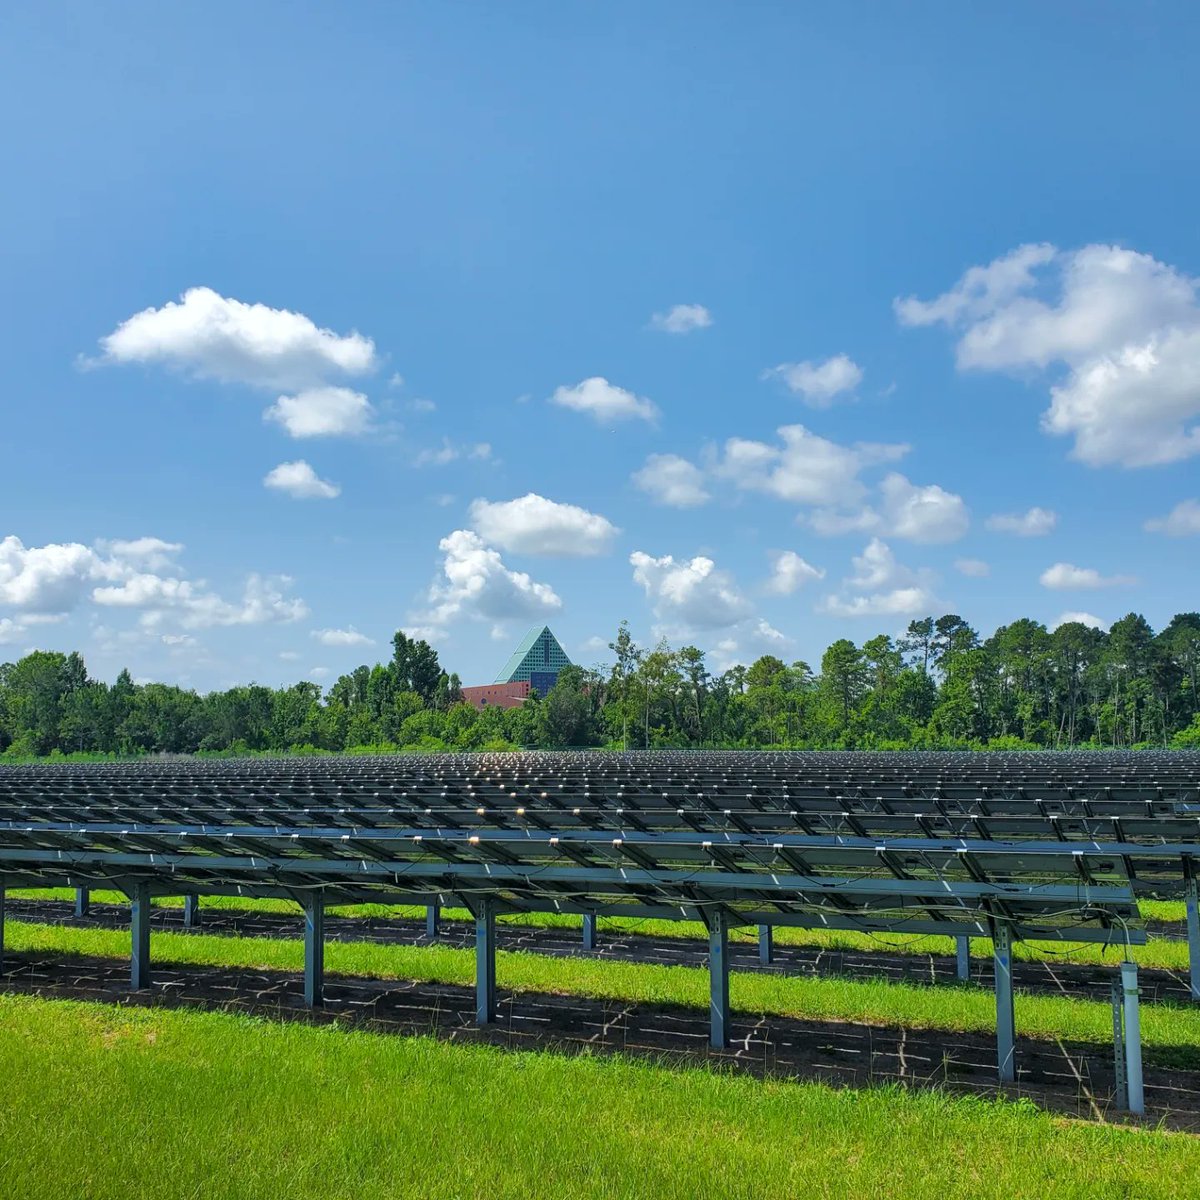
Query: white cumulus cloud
974	568
747	642
790	572
672	481
450	452
215	337
10	631
921	514
152	553
1080	618
693	594
604	401
476	583
49	579
1120	327
880	586
1138	406
895	602
682	318
534	525
43	582
190	603
1181	521
805	468
981	291
819	383
832	522
342	637
917	513
322	412
1034	522
300	481
1063	575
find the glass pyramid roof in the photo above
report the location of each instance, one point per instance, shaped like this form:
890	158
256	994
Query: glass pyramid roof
537	652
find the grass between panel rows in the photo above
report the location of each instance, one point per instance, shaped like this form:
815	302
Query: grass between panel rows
1170	1034
1174	911
1171	956
109	1103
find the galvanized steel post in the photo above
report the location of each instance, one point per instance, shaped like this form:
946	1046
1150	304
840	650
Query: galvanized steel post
718	980
139	921
1005	1019
963	958
433	915
589	931
1120	1077
766	944
1193	932
191	912
1135	1089
314	951
83	902
485	962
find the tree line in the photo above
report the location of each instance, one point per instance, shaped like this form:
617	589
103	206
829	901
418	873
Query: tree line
940	686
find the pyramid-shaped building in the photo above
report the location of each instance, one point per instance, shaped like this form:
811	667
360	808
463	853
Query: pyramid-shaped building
533	666
537	660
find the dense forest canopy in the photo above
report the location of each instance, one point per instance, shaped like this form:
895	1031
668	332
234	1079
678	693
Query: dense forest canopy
939	686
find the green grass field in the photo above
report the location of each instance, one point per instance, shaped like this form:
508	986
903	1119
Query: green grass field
1170	1033
103	1102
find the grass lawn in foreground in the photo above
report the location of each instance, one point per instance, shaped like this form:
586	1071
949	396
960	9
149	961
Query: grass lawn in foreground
105	1102
1170	1033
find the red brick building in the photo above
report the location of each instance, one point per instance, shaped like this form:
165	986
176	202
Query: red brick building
498	695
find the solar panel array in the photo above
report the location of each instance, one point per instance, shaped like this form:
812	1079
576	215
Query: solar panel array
1051	845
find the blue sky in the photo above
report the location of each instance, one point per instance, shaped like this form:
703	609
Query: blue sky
438	259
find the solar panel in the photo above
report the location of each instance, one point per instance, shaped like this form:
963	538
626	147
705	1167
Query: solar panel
773	838
1046	846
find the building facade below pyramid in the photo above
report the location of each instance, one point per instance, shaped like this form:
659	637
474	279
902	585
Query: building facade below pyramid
533	665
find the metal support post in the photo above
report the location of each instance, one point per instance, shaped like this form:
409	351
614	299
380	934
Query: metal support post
1121	1079
139	922
1193	932
485	963
589	931
191	912
766	944
1005	1019
718	980
963	953
1134	1088
314	951
433	918
83	902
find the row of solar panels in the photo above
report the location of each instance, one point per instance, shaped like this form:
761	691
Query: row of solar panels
133	785
902	857
375	792
1046	892
1005	761
648	834
220	792
1132	827
1072	768
223	801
